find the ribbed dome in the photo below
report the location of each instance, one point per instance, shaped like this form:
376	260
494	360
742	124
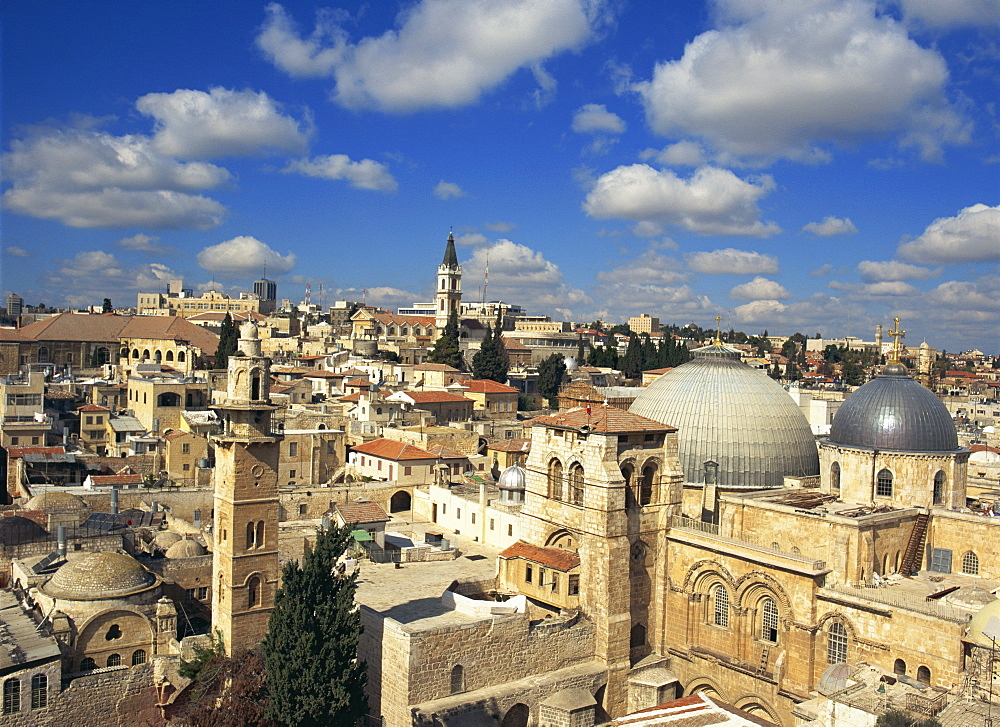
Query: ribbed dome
512	478
892	411
165	538
55	501
186	548
729	413
99	575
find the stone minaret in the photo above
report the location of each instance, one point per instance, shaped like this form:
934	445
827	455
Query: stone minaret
448	295
245	556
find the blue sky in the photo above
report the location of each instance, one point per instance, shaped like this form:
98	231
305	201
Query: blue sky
798	165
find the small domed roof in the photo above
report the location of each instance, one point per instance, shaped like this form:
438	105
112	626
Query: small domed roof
55	501
512	478
893	411
248	331
731	414
99	575
571	363
17	529
165	538
186	548
980	621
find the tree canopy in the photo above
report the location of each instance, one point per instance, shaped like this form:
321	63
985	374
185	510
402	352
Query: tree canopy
310	652
446	350
490	361
550	375
228	341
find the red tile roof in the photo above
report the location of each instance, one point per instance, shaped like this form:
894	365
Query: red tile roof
107	328
511	445
486	386
322	375
399	319
549	557
436	367
362	512
15	452
92	407
107	480
602	419
435	397
358	382
389	449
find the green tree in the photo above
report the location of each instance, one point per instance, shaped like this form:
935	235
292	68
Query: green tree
228	341
446	349
314	676
550	375
107	307
488	363
632	363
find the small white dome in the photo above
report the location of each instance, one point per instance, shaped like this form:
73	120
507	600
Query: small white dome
512	478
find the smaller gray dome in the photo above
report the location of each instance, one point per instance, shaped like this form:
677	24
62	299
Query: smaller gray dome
166	538
99	575
512	478
186	548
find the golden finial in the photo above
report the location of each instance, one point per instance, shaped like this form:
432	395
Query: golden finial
897	337
718	331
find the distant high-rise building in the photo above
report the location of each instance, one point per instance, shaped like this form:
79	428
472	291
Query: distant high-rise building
644	324
15	304
266	289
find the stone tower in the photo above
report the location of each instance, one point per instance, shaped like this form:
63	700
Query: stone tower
245	562
448	295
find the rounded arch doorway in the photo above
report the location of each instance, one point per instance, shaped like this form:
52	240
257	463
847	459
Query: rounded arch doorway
517	716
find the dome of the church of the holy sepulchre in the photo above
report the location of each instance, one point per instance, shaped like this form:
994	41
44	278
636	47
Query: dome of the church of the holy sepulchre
733	416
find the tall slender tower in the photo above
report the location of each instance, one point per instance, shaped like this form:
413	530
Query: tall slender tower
245	557
449	285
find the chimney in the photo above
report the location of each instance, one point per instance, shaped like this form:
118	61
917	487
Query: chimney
155	507
61	541
114	500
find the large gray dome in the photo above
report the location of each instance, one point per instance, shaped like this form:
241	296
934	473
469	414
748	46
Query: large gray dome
729	413
892	411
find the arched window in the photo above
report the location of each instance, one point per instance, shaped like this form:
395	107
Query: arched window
135	353
43	354
720	615
836	643
157	356
86	664
260	534
939	488
12	696
457	679
883	483
647	484
923	675
138	657
170	356
251	536
253	591
255	386
637	636
835	477
576	484
39	691
181	357
970	564
115	660
899	667
628	472
555	479
769	621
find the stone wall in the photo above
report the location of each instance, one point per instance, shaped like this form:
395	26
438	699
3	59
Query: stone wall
121	697
962	533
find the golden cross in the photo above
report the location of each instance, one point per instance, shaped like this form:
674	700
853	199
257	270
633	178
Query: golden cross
718	333
897	336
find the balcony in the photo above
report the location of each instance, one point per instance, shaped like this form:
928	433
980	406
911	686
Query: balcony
27	421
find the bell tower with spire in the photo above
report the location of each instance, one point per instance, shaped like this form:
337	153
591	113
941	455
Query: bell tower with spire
245	557
448	295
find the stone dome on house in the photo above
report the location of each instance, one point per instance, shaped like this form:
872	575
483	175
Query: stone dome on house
165	539
186	548
730	414
99	575
981	620
894	412
512	478
15	530
55	501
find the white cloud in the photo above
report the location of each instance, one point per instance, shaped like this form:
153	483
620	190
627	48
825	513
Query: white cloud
647	228
244	257
15	251
973	235
500	226
667	302
382	296
523	275
758	311
447	190
443	53
91	275
471	238
142	242
732	261
831	226
365	174
712	202
595	118
759	289
887	270
83	177
951	14
781	79
980	295
650	268
685	153
194	124
878	289
824	269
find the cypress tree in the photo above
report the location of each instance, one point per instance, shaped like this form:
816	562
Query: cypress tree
632	365
229	339
446	349
314	677
550	375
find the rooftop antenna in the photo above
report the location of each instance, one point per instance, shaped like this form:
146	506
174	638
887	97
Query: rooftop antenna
364	297
309	289
486	281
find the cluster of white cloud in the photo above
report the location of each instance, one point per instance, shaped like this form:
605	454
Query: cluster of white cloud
94	274
142	242
831	226
759	289
781	79
365	174
712	201
448	190
889	270
443	54
731	261
244	257
970	236
951	14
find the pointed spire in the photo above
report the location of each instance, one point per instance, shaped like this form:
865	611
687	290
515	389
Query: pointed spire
450	256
